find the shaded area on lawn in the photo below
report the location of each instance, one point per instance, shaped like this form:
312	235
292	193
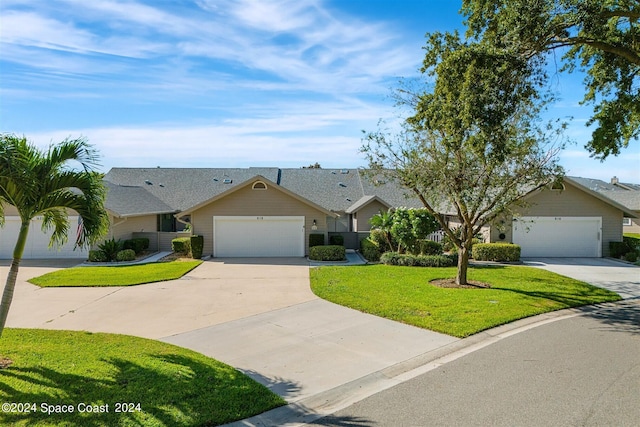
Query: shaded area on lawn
126	275
173	386
404	294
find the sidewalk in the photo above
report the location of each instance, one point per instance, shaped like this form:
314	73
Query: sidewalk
148	260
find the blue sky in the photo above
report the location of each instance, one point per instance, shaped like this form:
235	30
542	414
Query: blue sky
229	83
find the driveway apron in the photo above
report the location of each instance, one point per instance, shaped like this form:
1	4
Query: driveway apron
606	273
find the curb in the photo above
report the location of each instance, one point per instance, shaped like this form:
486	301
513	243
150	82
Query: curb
328	402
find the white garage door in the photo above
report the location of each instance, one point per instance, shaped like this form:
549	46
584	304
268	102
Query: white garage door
37	242
558	236
262	236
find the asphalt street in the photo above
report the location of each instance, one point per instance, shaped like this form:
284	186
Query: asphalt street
579	371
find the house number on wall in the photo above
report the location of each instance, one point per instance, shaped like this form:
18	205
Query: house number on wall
259	217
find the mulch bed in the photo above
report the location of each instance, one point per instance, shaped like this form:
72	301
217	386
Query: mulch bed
4	362
451	283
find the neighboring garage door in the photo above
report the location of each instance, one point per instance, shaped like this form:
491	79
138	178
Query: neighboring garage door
37	242
558	236
261	236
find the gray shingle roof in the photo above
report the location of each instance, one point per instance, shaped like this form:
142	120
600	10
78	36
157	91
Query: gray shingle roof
134	191
330	188
599	185
131	201
630	199
182	188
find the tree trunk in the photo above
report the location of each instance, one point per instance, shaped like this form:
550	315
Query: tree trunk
463	264
12	277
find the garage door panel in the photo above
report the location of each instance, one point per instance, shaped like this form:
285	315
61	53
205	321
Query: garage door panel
37	245
558	236
258	236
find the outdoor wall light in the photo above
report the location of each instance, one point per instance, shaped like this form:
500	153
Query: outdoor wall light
314	226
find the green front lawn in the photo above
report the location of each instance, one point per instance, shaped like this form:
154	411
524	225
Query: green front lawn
158	383
404	294
636	235
125	275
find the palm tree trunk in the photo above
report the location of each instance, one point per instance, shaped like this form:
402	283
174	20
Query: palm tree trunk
12	277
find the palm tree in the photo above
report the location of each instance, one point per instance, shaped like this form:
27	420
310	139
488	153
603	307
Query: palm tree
44	183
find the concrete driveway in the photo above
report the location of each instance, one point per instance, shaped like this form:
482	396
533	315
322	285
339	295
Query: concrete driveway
606	273
258	315
213	293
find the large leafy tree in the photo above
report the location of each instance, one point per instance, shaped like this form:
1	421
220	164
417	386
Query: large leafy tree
46	183
473	145
601	37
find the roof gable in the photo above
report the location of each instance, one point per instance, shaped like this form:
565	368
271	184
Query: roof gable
270	184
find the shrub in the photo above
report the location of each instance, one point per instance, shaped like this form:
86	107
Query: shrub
336	240
631	256
428	247
197	246
496	252
316	239
138	245
632	242
618	249
97	256
327	253
181	245
408	260
383	240
126	255
110	248
369	250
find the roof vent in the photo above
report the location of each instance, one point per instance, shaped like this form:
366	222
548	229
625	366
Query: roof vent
342	184
333	172
227	181
161	185
146	181
215	179
348	199
344	171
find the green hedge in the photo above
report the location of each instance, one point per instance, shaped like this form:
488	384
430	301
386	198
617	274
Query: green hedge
97	256
429	247
496	252
394	258
138	245
336	240
181	245
197	246
327	253
619	249
316	239
126	255
369	250
633	242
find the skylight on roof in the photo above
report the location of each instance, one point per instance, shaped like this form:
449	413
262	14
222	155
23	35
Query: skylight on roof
344	171
227	181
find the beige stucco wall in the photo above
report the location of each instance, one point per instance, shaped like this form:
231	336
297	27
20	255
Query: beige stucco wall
364	214
571	202
121	228
249	202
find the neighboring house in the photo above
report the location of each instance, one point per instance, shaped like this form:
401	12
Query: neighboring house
271	212
626	194
37	245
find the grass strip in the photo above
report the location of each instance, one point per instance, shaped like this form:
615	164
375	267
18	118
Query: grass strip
404	294
126	275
